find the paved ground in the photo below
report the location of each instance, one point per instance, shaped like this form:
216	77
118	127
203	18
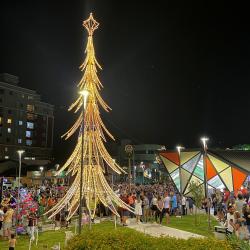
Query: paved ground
159	230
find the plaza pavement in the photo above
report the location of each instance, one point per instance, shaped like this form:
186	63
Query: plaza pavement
158	230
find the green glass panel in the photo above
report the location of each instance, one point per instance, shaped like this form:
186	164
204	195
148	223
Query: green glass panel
176	178
199	169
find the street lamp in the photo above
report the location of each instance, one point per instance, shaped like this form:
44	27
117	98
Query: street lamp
84	93
42	174
204	142
129	151
142	167
179	148
20	152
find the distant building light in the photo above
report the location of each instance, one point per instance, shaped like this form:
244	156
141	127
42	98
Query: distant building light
9	130
29	158
30	125
28	142
6	157
20	123
28	133
9	120
19	140
30	107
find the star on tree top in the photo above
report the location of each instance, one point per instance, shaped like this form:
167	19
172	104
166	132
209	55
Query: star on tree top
90	24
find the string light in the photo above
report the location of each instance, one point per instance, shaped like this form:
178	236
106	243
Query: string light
95	186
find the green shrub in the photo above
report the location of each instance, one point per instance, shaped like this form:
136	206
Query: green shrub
125	238
238	244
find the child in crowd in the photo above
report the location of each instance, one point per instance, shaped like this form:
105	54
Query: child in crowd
12	242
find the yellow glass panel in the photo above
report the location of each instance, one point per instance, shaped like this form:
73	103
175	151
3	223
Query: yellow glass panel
195	179
186	156
170	166
218	164
226	176
185	175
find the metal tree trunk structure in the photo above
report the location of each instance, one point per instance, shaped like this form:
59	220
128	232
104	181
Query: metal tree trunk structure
95	187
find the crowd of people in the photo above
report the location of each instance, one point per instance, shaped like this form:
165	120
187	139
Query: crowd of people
23	216
233	211
150	203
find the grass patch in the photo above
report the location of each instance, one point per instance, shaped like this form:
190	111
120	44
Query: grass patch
49	238
187	223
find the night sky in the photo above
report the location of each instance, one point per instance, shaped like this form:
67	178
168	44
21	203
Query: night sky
172	71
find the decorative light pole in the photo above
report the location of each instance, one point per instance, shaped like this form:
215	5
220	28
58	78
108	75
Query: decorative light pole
20	152
179	148
204	143
42	174
84	93
129	151
142	167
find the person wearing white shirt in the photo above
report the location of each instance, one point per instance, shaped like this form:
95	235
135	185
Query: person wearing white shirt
167	202
183	205
230	220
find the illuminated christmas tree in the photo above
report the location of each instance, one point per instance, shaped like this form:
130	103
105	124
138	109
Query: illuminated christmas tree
92	151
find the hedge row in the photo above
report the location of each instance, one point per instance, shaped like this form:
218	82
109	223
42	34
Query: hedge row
125	238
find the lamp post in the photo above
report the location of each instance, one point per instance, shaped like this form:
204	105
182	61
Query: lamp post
42	175
129	151
84	94
142	167
20	152
179	148
204	143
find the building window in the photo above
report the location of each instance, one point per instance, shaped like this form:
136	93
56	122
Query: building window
28	142
30	107
9	120
19	140
9	130
6	157
30	125
20	123
28	134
